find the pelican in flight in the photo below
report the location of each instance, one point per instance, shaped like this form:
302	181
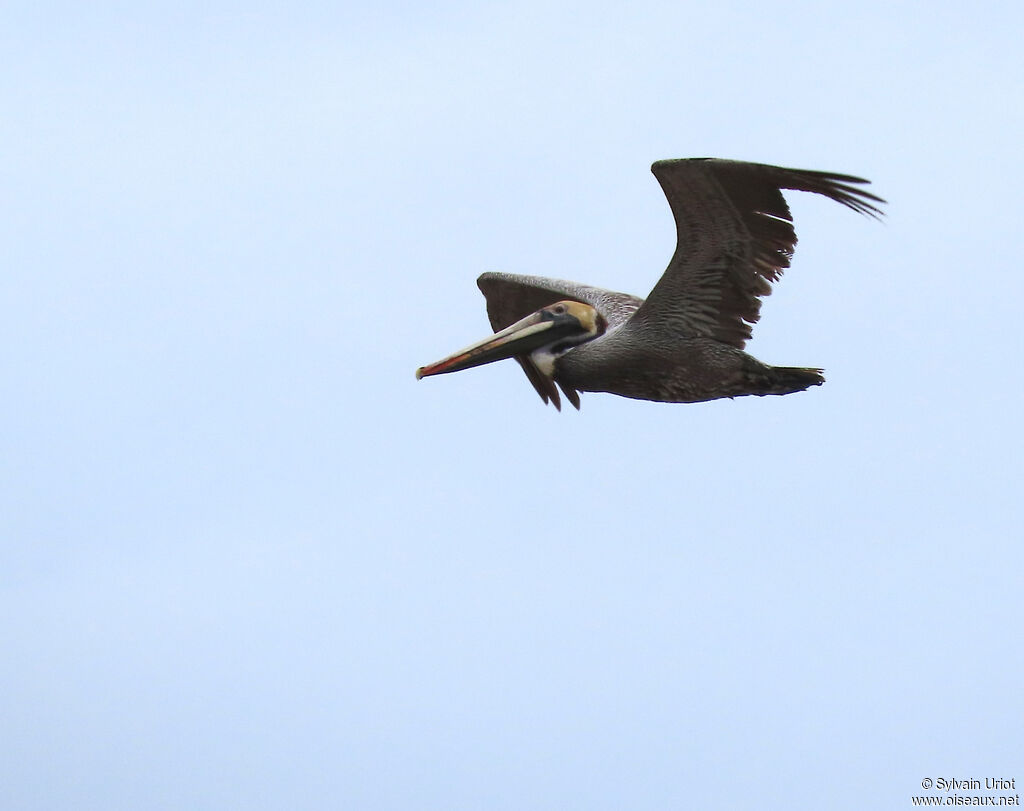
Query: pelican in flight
684	343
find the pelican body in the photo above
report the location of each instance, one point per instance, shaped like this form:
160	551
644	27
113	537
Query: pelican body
684	343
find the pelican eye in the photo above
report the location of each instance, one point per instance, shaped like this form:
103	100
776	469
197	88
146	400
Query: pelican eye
559	309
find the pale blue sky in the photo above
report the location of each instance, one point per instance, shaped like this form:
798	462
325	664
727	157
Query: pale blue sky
247	561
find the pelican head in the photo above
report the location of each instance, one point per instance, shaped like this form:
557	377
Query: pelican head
543	335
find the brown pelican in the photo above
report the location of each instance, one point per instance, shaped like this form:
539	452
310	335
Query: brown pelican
684	344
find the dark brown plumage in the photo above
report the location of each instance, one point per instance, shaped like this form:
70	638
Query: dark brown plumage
684	343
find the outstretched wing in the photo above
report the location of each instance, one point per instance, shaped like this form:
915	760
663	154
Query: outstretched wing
734	237
511	298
